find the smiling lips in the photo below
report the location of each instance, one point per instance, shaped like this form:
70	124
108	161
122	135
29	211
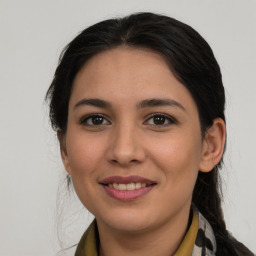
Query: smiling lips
127	188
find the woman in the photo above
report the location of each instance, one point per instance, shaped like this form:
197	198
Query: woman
138	106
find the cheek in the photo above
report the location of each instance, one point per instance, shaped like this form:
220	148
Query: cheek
84	153
178	157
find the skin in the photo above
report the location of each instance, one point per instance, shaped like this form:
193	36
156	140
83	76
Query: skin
130	142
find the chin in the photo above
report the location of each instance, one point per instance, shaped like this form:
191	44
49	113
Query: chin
127	221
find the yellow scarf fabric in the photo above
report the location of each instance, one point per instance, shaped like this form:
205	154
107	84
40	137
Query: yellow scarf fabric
186	246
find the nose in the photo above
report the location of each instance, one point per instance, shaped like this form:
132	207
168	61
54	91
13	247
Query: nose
126	147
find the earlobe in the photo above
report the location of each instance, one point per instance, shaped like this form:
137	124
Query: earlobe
63	151
213	145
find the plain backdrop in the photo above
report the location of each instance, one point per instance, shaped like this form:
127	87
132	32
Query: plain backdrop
32	35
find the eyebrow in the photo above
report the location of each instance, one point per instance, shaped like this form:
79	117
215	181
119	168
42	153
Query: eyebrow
159	103
93	102
143	104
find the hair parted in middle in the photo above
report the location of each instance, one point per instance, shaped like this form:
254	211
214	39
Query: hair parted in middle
189	58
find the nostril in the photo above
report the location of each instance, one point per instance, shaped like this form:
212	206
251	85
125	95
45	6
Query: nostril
116	161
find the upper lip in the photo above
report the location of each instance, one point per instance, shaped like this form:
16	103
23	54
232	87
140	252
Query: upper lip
126	180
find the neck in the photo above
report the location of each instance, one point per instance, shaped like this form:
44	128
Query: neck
161	240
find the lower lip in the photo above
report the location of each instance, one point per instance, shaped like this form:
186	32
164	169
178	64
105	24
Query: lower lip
127	195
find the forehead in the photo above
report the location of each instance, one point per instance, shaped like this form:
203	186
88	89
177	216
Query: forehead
124	74
124	63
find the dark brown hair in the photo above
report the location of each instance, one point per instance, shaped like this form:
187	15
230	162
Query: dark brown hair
190	59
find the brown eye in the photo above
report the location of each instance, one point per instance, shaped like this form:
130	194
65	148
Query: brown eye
94	120
160	120
97	120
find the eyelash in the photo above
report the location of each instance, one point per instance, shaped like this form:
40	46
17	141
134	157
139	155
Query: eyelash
170	120
85	119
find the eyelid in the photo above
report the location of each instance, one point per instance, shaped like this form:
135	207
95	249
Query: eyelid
170	118
86	117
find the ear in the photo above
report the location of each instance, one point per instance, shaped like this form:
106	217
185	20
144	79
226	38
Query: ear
213	145
63	151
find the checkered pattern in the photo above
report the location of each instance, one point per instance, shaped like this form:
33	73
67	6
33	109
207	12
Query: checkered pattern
205	244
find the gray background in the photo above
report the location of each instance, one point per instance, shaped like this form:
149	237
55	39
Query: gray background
32	34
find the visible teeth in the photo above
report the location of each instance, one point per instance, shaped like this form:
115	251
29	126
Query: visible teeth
129	186
122	187
138	185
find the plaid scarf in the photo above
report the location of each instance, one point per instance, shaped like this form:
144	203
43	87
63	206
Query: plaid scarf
205	244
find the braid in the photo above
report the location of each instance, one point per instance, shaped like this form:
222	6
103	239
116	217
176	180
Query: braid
208	184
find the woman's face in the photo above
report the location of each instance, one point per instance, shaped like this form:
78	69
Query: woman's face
133	144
